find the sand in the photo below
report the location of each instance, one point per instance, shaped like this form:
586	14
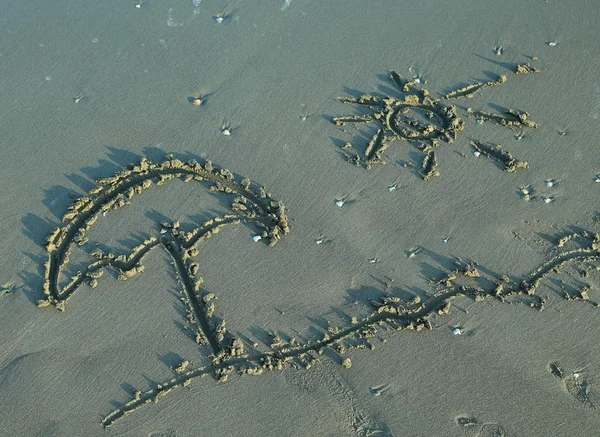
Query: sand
270	73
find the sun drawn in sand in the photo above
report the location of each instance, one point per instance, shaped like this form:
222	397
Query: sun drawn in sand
420	119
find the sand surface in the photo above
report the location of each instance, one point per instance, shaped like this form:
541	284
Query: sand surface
271	71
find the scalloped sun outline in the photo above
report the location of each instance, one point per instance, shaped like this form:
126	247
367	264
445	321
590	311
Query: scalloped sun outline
420	119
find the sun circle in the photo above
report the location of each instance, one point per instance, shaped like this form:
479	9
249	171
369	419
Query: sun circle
419	122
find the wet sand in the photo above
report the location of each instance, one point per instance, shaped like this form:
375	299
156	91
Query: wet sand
272	73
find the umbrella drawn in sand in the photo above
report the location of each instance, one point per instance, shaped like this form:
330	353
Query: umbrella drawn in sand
250	205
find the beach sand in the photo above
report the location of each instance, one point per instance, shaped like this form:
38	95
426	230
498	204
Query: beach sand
271	72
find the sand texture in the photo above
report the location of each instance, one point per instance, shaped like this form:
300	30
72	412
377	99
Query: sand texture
300	218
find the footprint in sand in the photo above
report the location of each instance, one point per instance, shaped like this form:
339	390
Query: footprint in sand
487	429
575	383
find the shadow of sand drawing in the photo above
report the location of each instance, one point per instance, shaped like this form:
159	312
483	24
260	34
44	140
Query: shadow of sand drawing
389	311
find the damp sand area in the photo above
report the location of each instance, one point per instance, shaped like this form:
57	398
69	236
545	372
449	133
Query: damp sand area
300	219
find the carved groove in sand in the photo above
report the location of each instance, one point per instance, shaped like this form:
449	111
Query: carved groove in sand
388	313
420	119
230	354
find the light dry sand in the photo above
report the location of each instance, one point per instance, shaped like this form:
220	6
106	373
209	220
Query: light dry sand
272	61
